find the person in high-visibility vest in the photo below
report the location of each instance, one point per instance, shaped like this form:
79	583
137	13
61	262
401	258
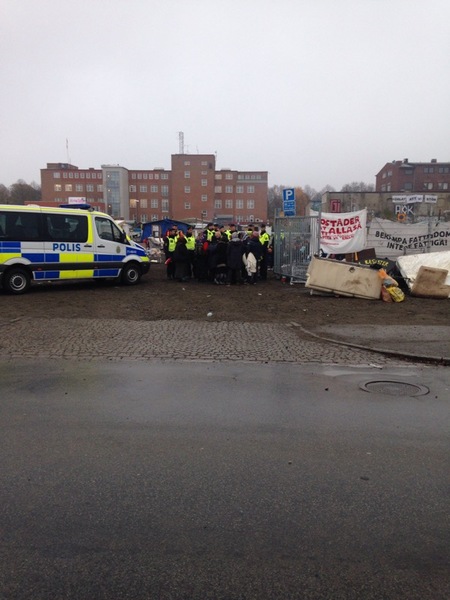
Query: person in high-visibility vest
231	229
170	242
190	246
209	232
264	239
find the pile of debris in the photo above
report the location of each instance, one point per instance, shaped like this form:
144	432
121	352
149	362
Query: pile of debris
422	275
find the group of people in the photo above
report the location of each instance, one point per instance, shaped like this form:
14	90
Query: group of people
218	254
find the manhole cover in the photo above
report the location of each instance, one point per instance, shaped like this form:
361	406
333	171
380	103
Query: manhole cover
394	388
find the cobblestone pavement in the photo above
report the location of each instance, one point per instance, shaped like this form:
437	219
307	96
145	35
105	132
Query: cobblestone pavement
89	339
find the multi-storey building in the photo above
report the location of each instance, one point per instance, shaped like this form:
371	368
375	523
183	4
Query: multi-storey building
191	191
406	176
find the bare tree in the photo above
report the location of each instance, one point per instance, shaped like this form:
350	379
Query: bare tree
21	192
4	194
358	186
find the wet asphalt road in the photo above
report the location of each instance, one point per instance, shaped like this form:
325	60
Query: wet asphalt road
185	480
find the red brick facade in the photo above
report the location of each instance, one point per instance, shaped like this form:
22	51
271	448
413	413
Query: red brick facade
191	191
405	176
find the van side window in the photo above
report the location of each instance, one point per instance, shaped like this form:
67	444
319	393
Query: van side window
66	228
20	226
107	230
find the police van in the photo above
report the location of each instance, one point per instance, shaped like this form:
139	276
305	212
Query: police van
61	244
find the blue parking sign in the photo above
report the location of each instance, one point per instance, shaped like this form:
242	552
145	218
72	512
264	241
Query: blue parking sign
289	208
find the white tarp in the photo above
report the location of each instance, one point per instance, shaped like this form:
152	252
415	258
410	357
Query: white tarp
342	233
409	265
392	239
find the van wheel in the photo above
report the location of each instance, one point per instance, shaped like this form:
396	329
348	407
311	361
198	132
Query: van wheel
16	281
131	274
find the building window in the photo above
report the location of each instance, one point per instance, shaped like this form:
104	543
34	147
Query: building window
443	169
155	218
228	203
251	218
204	198
154	203
164	190
250	189
428	169
383	176
99	176
144	218
187	205
204	173
407	186
153	188
187	174
383	189
443	186
250	204
408	171
228	189
143	203
218	176
164	176
58	187
70	175
88	175
78	187
100	187
57	175
427	186
389	174
132	188
64	175
218	189
143	189
229	176
239	189
68	187
145	175
239	203
150	175
156	176
217	203
81	175
204	163
89	187
204	214
133	176
165	205
187	189
187	163
204	182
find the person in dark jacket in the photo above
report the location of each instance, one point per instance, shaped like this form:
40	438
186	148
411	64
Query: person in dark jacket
220	269
253	256
235	250
182	260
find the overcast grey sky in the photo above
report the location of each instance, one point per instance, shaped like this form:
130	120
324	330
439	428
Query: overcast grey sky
314	91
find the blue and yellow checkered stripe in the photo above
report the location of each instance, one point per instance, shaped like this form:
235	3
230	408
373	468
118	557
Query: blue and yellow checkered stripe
68	265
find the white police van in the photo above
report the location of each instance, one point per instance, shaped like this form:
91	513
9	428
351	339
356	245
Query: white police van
56	244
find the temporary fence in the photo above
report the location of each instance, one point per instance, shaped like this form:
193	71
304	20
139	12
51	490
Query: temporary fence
295	241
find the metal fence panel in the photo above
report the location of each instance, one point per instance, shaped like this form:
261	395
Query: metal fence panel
295	241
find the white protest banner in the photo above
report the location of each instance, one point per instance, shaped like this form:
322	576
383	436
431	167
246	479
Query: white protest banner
391	238
430	199
342	233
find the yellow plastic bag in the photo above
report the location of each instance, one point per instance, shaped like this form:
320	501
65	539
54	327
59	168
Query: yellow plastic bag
396	293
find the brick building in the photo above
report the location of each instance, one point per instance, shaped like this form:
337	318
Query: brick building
405	176
193	190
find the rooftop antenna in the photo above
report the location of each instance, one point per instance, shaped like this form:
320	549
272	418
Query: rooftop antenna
181	142
67	151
